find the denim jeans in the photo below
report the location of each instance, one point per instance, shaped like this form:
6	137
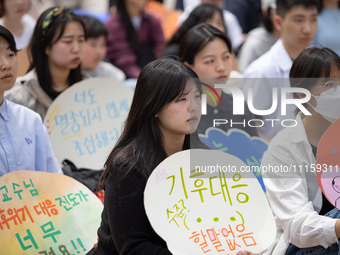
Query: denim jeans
317	250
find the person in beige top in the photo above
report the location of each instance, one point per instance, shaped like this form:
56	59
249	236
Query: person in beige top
56	48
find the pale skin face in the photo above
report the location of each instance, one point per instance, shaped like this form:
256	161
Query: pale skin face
94	52
297	28
15	9
8	68
213	62
216	21
68	51
181	116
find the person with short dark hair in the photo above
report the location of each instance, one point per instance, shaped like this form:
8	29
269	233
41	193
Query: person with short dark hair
297	21
24	143
95	51
56	50
297	202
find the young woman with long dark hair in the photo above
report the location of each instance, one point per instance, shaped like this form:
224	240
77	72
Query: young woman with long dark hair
163	118
56	50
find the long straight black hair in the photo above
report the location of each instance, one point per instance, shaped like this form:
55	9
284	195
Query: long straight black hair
40	41
141	145
129	28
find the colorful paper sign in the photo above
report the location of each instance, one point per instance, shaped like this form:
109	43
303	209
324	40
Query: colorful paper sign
201	201
46	213
86	120
327	166
239	143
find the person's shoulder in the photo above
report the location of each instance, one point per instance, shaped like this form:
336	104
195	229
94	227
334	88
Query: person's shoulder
289	136
259	67
114	20
119	175
24	113
112	71
31	75
29	20
257	33
151	19
262	67
20	91
229	16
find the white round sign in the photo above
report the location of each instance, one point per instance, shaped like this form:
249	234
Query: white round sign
85	121
202	201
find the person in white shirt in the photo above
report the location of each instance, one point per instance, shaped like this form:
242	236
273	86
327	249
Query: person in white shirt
234	30
296	20
14	18
299	207
95	51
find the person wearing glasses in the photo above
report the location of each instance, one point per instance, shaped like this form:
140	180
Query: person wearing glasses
306	222
56	51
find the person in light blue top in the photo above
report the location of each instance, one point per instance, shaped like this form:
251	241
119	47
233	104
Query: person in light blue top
327	34
24	143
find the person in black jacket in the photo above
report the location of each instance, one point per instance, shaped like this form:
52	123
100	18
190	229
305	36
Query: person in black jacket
164	114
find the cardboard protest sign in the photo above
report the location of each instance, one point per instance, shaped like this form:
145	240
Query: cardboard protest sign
86	120
46	213
200	201
327	166
237	142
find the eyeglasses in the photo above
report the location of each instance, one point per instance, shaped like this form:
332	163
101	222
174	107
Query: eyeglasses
331	86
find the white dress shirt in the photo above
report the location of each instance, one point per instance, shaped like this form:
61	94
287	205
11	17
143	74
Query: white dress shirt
275	63
295	198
